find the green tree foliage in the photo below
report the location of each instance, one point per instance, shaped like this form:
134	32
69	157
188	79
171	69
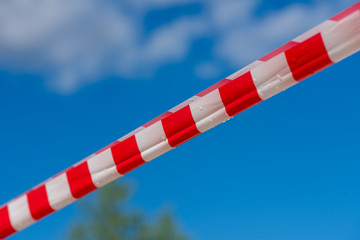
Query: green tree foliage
107	217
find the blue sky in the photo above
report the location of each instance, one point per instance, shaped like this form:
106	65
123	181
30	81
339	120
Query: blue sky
76	77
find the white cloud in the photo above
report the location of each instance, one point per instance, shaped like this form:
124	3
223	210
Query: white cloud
244	37
256	36
173	40
74	43
228	14
207	70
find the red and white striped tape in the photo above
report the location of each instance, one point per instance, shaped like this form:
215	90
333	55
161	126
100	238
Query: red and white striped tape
307	54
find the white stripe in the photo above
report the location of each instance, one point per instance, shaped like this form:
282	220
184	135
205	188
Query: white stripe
325	25
343	39
272	76
152	142
102	168
19	213
244	70
58	191
208	111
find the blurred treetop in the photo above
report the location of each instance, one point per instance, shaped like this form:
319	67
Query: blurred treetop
107	217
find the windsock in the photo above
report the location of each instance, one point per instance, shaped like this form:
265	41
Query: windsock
320	47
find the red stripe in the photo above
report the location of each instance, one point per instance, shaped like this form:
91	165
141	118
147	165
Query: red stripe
308	57
213	87
80	181
278	51
127	155
239	95
5	225
180	126
347	12
38	203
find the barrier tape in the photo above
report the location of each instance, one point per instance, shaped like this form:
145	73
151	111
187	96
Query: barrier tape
307	54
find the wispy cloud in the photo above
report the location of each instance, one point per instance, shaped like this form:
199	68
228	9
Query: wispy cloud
74	43
244	35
